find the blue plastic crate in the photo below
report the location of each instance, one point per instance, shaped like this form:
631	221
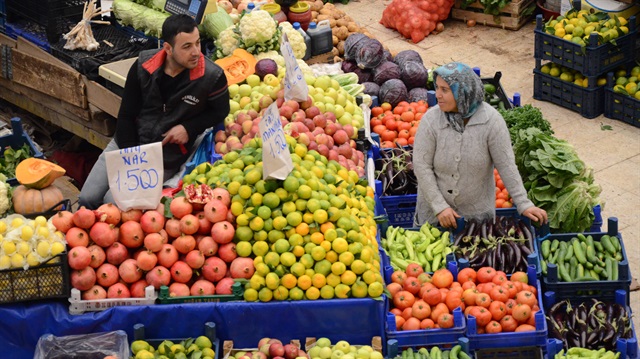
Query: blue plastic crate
16	140
426	337
56	16
139	333
603	289
537	338
38	38
592	60
628	348
589	103
393	349
619	106
400	209
535	352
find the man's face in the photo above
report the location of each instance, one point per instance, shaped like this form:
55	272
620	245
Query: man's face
186	49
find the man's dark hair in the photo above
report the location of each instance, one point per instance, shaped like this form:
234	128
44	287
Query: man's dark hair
176	24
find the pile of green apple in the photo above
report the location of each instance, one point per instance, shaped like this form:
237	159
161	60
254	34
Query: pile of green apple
323	349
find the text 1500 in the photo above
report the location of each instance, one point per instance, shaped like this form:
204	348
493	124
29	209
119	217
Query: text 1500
137	178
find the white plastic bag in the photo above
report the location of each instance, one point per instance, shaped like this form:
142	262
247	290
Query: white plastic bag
83	346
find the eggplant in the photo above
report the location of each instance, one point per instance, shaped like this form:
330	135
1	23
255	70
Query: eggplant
516	252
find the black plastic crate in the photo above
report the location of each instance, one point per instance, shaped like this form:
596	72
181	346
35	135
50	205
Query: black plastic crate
592	60
619	106
209	331
57	16
46	281
589	103
502	95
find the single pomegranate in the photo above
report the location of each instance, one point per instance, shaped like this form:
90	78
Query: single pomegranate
214	269
109	213
63	221
77	237
215	211
180	207
227	252
222	195
208	246
98	256
158	277
223	232
103	234
224	286
202	287
204	226
131	234
152	221
167	255
83	279
195	259
137	289
189	224
129	271
172	228
198	194
117	253
181	272
84	218
146	260
131	215
79	258
184	244
179	290
153	242
118	290
107	275
242	268
94	293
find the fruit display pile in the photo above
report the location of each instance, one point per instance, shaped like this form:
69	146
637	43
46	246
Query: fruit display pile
27	242
626	83
569	75
435	353
577	26
428	248
198	348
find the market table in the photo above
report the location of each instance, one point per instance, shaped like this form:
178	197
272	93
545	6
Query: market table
354	320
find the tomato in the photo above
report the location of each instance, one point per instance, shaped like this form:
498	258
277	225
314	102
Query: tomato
398	277
497	309
486	287
413	130
403	104
483	300
499	202
467	275
525	328
407	313
407	116
468	309
375	122
507	204
499	278
532	289
443	294
404	134
402	142
411	324
521	312
388	135
520	277
532	317
453	299
414	270
399	109
508	323
437	310
424	278
469	284
391	124
526	297
493	327
387	144
411	285
403	299
427	324
432	296
482	315
411	140
442	278
498	293
394	288
376	111
511	288
486	274
395	311
469	296
379	129
421	309
445	320
386	106
510	304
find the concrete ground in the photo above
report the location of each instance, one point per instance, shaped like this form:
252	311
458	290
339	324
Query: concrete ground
613	154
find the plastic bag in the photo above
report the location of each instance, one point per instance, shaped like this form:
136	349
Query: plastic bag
83	346
415	19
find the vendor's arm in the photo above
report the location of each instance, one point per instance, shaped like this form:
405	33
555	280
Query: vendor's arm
504	160
217	110
424	150
126	132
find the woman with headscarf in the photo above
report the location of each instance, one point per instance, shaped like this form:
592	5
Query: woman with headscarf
458	144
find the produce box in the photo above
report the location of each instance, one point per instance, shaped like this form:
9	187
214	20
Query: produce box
628	348
46	281
376	344
16	140
592	60
603	289
57	16
587	102
209	332
400	209
83	346
228	351
426	337
511	353
237	288
29	31
512	17
79	306
393	351
621	107
500	94
514	340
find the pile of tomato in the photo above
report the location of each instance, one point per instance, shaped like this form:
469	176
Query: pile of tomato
397	125
426	301
503	199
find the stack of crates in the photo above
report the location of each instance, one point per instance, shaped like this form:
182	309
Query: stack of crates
593	61
56	16
3	16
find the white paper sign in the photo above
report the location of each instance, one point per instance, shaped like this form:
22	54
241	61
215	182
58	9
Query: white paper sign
136	176
276	159
295	87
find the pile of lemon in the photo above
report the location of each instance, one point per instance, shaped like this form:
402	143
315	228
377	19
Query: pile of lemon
27	242
569	75
311	236
627	83
199	348
577	26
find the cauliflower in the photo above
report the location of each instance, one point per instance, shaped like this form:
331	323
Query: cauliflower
226	42
306	69
257	27
5	195
273	55
295	40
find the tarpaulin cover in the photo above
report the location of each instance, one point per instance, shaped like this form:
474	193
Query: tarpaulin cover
354	320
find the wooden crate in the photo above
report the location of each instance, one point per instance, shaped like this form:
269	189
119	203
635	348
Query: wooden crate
512	17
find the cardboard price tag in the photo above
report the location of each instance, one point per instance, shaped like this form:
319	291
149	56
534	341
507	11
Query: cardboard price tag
136	176
276	159
295	87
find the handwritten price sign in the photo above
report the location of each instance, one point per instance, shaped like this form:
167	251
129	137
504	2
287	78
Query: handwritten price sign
136	176
276	158
295	87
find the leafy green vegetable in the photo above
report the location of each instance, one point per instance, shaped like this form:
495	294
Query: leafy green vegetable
520	118
556	180
11	158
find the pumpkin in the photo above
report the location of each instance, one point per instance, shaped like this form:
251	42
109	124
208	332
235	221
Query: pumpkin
28	201
37	173
238	66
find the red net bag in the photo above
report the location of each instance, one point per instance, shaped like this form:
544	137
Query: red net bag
415	19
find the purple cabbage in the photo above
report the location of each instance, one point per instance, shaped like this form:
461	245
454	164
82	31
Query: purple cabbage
371	88
386	55
393	91
363	75
266	66
348	66
386	71
370	54
414	74
407	55
418	93
352	45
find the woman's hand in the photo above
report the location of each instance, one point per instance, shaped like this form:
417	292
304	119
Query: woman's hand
536	214
447	218
177	135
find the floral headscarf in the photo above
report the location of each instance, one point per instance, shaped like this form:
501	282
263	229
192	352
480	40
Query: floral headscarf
467	89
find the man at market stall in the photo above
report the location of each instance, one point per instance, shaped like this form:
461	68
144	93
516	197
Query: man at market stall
171	95
458	144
